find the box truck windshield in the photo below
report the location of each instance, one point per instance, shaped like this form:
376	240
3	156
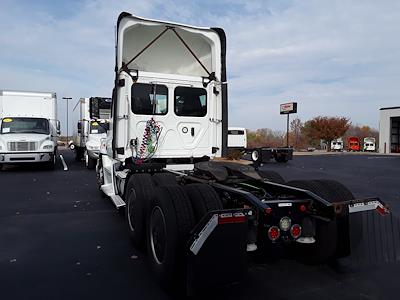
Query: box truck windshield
25	125
96	128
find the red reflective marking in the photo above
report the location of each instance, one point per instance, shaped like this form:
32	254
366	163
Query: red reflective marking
303	208
228	220
268	210
382	210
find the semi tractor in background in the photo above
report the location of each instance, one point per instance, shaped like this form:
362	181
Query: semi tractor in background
199	216
88	131
237	138
29	128
337	145
353	143
369	144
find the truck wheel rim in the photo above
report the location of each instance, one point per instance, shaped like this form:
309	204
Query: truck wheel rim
130	215
254	155
158	232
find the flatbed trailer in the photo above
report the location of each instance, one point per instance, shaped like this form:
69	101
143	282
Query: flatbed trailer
200	218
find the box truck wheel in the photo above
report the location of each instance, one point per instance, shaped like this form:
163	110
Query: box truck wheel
326	233
170	220
78	153
90	162
271	176
161	179
50	165
139	191
281	158
203	198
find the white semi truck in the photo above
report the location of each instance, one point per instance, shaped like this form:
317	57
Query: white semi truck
29	128
199	216
237	138
88	131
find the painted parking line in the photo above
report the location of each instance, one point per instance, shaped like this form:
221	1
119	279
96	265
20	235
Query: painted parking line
63	162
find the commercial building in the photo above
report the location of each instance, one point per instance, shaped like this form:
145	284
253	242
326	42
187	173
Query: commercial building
389	130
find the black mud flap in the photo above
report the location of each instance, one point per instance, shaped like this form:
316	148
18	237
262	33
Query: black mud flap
374	238
216	253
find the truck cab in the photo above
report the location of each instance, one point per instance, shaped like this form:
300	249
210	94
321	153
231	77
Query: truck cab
29	128
337	145
91	122
353	143
369	144
169	104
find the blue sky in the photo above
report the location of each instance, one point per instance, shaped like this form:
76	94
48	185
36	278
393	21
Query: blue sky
336	58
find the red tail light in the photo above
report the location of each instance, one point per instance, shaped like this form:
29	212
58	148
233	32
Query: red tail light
295	231
303	208
274	233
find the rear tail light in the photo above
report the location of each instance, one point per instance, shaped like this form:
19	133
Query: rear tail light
295	231
303	208
274	233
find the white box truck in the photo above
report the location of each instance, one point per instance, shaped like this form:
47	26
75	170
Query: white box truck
88	131
369	144
29	128
337	144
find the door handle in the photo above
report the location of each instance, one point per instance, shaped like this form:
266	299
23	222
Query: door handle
192	131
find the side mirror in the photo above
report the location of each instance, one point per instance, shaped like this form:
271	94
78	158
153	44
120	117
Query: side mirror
58	127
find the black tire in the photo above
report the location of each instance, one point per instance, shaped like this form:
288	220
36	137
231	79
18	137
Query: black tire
78	154
51	164
271	176
90	162
161	179
350	231
203	198
326	235
170	220
138	194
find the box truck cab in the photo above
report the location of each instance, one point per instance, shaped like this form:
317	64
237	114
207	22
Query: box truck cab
337	145
369	144
29	128
353	143
88	131
237	138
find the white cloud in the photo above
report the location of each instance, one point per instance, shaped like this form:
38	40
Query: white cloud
333	57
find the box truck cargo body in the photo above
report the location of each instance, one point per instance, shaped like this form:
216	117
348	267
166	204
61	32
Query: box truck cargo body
88	131
29	128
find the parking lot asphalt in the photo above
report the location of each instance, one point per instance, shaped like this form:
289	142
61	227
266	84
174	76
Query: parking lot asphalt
60	239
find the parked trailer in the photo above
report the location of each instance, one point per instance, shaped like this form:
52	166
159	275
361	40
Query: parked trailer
198	217
89	131
369	144
337	145
353	143
29	127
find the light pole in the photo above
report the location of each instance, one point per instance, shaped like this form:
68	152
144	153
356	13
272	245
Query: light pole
67	98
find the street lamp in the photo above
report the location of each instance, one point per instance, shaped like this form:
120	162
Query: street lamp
67	98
